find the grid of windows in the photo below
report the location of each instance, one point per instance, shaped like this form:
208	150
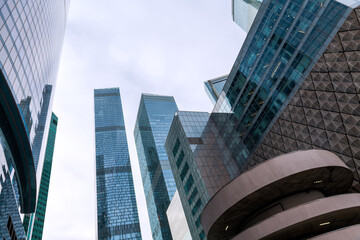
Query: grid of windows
37	220
325	112
31	36
201	166
152	125
117	215
276	57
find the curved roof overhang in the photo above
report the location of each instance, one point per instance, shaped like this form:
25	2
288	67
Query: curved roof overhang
312	218
287	174
348	233
13	127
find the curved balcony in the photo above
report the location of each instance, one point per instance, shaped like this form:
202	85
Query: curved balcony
348	233
309	219
17	138
235	205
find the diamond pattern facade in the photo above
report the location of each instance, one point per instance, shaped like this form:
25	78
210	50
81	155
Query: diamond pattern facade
325	112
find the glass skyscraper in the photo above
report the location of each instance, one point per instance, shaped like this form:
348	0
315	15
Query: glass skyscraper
152	125
279	52
117	215
201	164
31	37
294	86
35	225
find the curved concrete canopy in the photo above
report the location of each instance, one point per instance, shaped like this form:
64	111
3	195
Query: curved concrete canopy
348	233
13	127
271	180
316	217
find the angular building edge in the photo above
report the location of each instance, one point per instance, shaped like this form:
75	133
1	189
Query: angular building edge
17	137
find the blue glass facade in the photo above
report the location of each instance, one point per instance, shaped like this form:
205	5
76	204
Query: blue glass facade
298	51
201	163
287	39
31	37
117	215
152	125
36	221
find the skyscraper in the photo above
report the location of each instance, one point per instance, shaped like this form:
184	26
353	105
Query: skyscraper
152	125
35	225
117	215
201	163
31	39
308	59
294	86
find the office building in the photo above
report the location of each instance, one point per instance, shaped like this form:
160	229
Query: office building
244	12
177	219
31	37
214	87
294	55
294	86
35	223
117	215
152	126
201	163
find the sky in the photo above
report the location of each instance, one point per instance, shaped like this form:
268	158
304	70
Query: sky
161	47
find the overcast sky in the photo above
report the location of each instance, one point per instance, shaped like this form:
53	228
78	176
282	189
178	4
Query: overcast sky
161	46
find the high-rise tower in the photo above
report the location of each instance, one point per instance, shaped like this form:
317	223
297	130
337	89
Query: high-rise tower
31	37
294	86
35	224
117	215
152	125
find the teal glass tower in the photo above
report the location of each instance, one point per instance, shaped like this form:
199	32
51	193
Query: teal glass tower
31	39
35	225
294	86
152	126
117	215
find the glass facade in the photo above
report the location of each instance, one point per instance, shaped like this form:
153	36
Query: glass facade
37	220
31	37
244	12
201	163
214	87
325	112
280	50
117	215
293	86
152	126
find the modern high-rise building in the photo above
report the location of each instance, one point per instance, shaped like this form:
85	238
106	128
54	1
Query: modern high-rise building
201	164
244	12
117	214
35	224
152	126
214	87
31	37
294	86
302	54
